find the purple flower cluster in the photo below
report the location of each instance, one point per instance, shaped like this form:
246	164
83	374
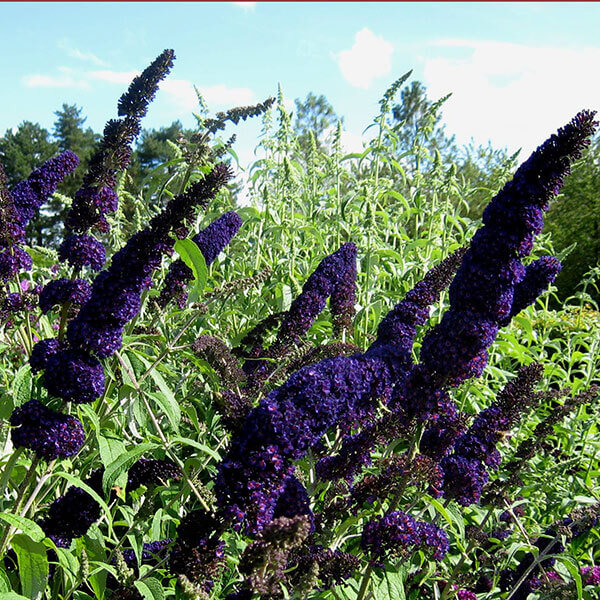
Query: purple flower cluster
211	241
482	293
96	198
21	204
590	575
71	515
42	352
82	251
465	595
152	471
398	533
538	276
465	471
294	501
397	331
152	552
74	376
73	373
335	276
353	455
116	292
48	433
291	419
198	553
60	291
29	194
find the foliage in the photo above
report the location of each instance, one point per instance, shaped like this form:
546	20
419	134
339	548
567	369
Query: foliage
574	222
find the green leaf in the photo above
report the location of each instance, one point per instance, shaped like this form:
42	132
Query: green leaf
22	385
571	566
190	254
33	565
110	449
166	400
4	582
12	596
169	407
198	445
122	464
33	530
150	588
391	587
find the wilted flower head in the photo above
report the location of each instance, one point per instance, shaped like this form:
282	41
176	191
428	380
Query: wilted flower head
71	515
152	471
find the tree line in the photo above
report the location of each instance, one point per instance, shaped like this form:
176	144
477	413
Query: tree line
573	220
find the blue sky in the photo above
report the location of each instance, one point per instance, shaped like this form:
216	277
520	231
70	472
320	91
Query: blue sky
517	71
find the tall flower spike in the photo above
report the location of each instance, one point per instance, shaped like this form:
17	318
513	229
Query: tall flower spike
134	102
482	293
31	193
22	204
211	241
341	391
465	470
97	197
333	277
116	292
75	373
396	332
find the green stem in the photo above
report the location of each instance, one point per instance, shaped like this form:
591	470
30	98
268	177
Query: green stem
6	473
364	584
8	529
448	587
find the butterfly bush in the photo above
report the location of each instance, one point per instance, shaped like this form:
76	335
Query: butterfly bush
343	391
325	442
97	196
210	242
21	204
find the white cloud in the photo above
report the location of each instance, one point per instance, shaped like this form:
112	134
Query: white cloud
182	92
67	78
512	94
79	54
225	96
369	58
246	5
351	142
121	77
